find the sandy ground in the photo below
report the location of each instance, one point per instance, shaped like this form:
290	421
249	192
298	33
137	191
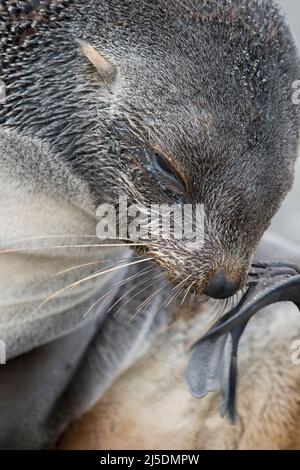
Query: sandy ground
287	221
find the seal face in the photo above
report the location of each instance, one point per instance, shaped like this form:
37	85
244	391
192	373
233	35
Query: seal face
202	93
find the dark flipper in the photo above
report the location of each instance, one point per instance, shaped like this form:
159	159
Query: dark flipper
213	364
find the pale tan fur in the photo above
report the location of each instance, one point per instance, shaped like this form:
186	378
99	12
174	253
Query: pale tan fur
150	408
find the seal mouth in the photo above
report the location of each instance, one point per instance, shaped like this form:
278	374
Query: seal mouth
193	271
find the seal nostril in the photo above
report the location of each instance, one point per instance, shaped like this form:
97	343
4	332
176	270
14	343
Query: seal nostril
220	287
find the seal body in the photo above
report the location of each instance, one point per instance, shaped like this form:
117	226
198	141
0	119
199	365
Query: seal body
161	53
103	129
139	412
93	91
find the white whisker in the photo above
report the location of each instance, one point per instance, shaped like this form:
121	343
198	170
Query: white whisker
92	263
144	303
92	276
157	278
187	292
108	245
192	298
129	291
175	289
110	291
64	236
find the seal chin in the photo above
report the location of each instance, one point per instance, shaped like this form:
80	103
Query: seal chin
220	286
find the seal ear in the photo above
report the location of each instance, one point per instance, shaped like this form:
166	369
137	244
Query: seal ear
106	70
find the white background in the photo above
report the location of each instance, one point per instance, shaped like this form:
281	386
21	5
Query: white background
287	221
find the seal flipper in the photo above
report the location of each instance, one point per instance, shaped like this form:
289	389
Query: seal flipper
213	363
229	376
204	372
284	290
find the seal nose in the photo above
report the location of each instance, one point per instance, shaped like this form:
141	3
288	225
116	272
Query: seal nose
220	287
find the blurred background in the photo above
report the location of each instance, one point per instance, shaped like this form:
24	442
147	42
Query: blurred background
287	221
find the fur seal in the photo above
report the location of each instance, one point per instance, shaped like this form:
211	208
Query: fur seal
202	92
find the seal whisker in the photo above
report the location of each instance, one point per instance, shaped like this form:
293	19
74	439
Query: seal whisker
158	279
192	298
187	292
124	295
92	263
144	303
97	245
171	298
175	296
92	276
131	290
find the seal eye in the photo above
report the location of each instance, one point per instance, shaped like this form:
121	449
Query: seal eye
173	179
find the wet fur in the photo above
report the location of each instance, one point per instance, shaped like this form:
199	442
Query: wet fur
181	67
188	92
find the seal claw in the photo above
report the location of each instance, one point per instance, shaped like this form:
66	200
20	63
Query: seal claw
213	363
